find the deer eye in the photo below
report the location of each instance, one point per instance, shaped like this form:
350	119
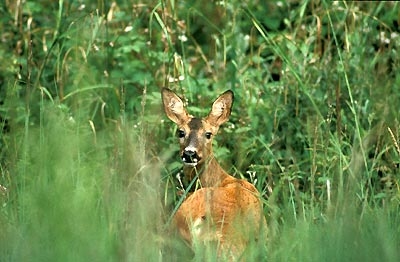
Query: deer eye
181	133
208	135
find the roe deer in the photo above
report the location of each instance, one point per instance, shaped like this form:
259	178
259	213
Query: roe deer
225	210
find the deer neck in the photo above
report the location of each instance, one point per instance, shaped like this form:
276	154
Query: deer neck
210	173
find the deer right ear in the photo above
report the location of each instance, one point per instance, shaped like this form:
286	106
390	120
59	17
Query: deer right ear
221	109
173	107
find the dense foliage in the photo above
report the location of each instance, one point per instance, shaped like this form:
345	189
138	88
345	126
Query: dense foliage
88	159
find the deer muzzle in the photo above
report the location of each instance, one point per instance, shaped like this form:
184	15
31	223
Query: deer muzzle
190	157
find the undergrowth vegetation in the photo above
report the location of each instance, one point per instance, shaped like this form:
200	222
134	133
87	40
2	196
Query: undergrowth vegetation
88	159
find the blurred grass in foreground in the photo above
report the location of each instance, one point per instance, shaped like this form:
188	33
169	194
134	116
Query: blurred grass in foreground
80	196
97	198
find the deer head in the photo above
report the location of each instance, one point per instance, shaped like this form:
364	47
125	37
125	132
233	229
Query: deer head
196	134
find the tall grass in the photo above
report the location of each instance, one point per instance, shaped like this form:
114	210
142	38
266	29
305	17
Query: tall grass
88	160
81	195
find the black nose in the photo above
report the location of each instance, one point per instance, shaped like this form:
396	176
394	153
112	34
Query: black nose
189	153
190	157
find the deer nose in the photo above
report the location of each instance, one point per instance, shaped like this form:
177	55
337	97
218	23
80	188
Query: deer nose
190	157
189	153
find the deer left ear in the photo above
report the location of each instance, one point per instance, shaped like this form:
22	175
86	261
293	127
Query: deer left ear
221	109
173	107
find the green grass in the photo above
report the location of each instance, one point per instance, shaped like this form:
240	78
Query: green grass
88	159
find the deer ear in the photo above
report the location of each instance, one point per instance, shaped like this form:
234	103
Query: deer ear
221	109
173	107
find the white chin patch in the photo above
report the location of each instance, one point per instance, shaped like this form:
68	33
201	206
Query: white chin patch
194	163
190	164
